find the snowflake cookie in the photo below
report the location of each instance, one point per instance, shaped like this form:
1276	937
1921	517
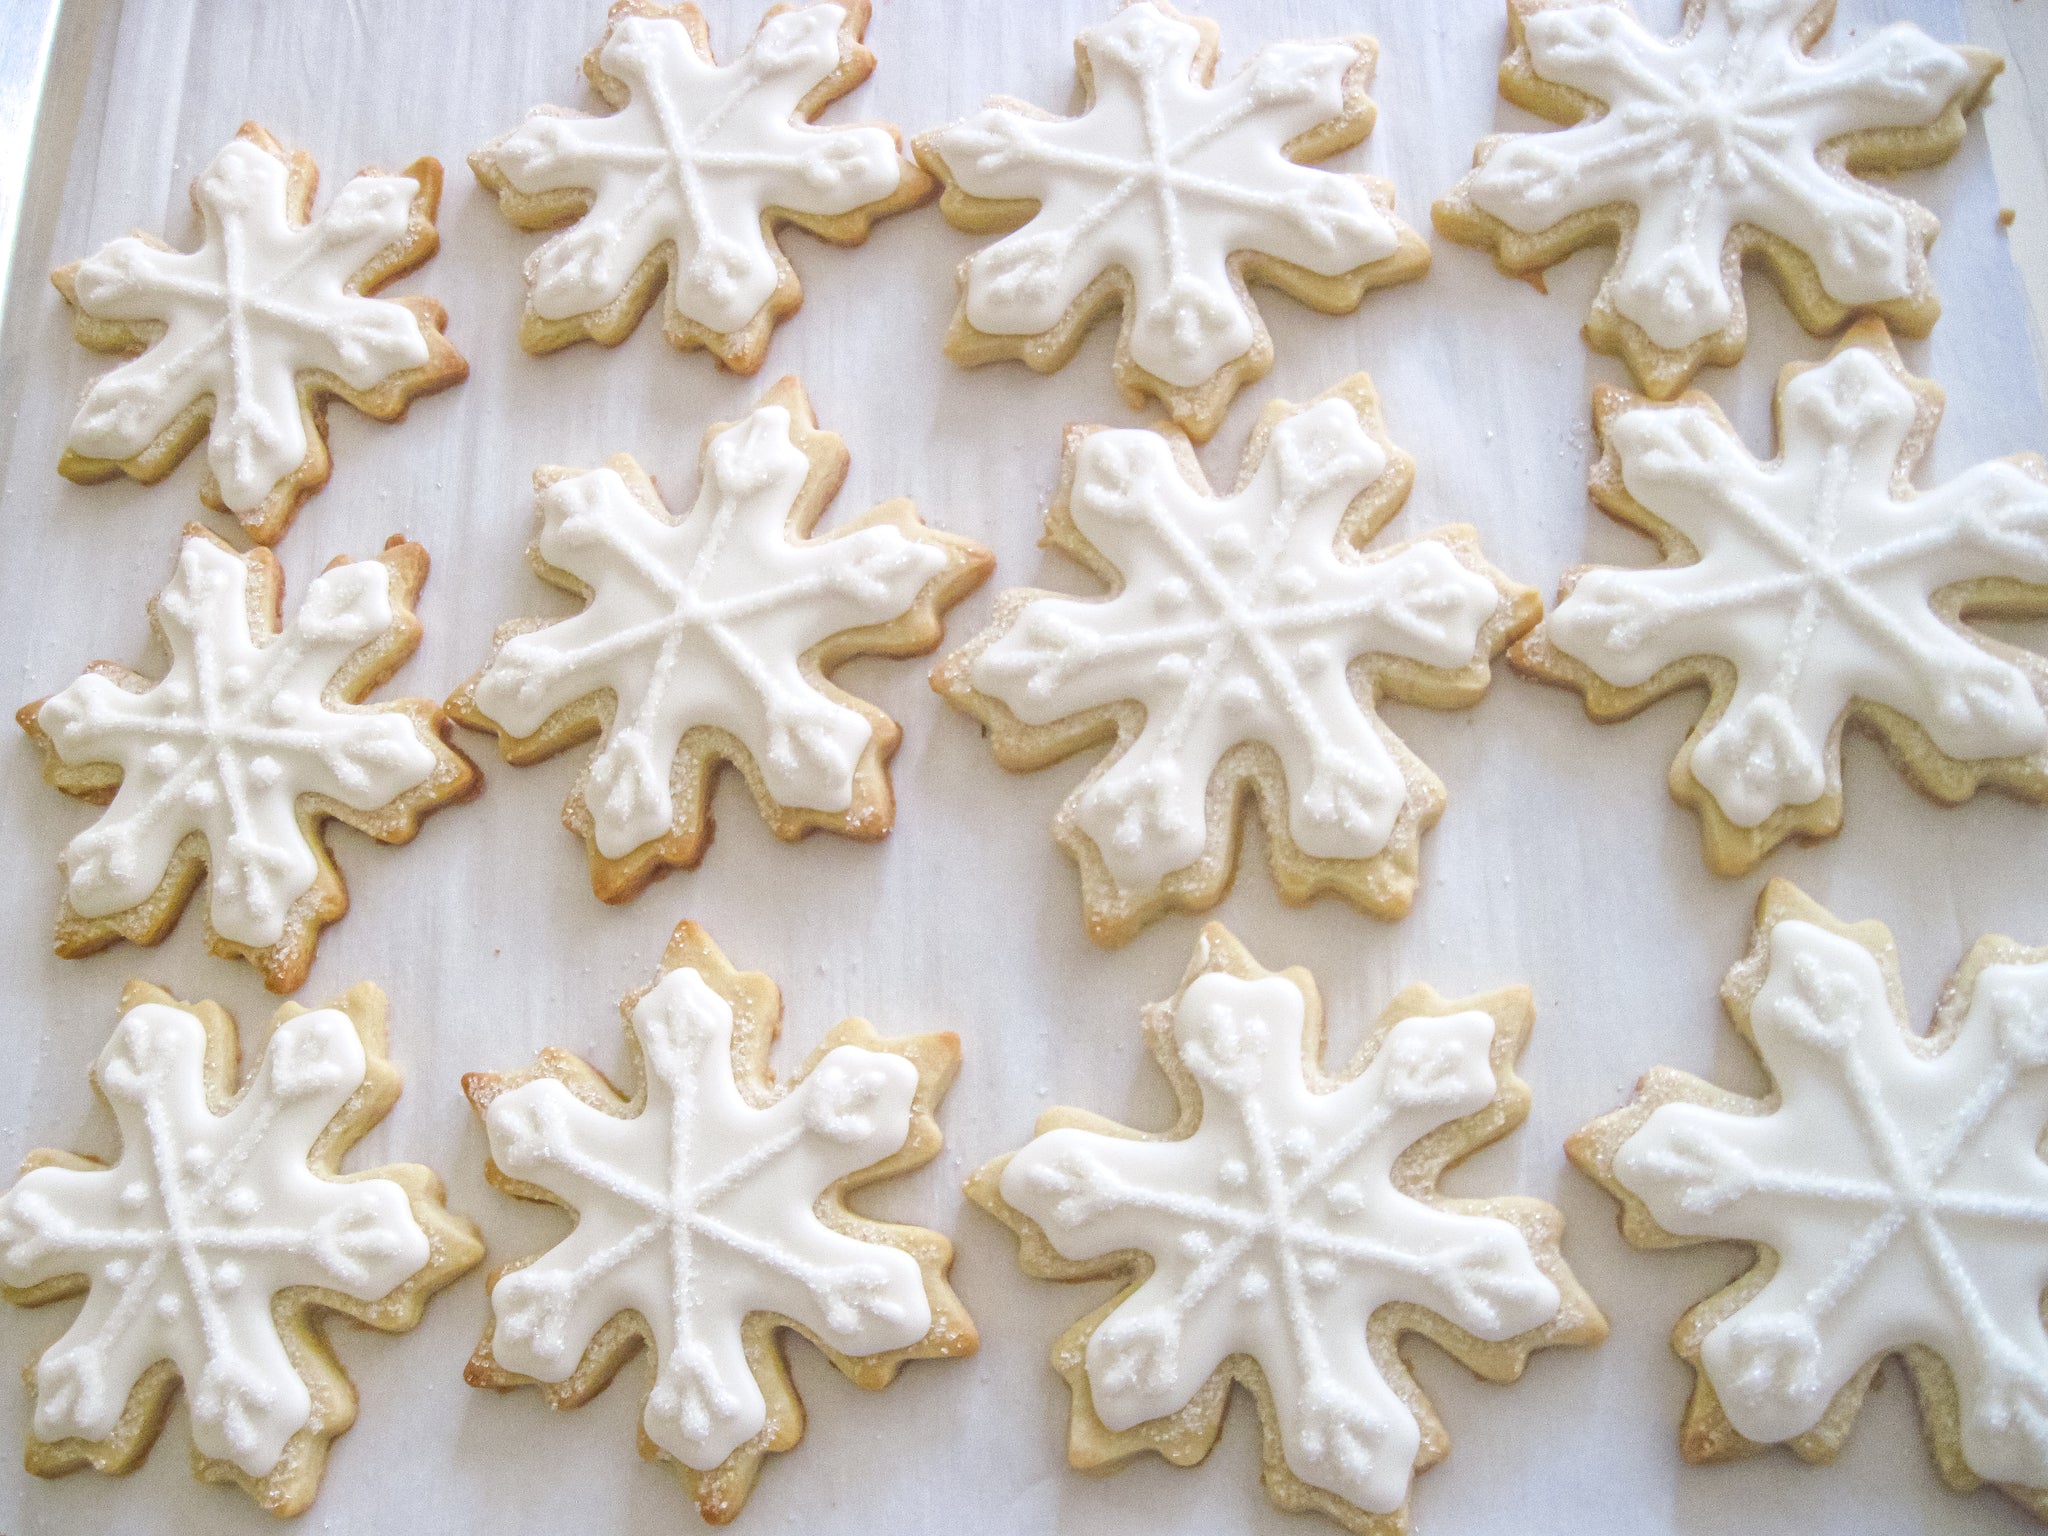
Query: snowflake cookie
245	340
1724	145
1243	650
1891	1184
1287	1232
1808	594
708	640
686	180
711	1216
1168	196
209	1251
229	764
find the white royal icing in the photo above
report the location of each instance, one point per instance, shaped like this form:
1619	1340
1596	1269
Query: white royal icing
1724	126
704	622
1815	580
693	159
203	1220
1237	621
1901	1190
1166	179
261	302
226	742
699	1211
1275	1231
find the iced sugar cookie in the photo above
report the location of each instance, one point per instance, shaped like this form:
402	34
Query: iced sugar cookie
681	187
1245	644
230	764
1890	1184
1809	594
245	340
711	1218
212	1250
1166	197
708	639
1287	1233
1725	145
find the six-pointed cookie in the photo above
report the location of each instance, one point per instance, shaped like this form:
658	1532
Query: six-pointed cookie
711	1218
1245	647
1725	144
1287	1232
211	1250
229	765
683	184
707	640
1809	594
1891	1185
1166	196
245	340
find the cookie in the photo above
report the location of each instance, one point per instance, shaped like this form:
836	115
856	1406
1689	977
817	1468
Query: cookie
1166	196
1727	145
230	764
212	1249
1241	655
1889	1184
708	640
1286	1233
710	1218
1810	594
684	183
245	340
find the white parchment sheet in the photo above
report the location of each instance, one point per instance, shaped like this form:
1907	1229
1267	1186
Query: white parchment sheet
1560	861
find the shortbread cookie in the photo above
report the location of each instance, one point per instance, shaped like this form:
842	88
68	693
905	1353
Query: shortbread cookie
230	764
684	183
1287	1232
711	1217
1167	196
245	340
1809	594
211	1249
1241	654
707	640
1890	1184
1725	145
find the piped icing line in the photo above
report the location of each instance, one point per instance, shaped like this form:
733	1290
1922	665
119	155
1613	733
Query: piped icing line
243	341
1168	195
1810	594
1246	641
711	1217
1891	1185
209	1252
678	191
228	766
709	638
1724	145
1287	1230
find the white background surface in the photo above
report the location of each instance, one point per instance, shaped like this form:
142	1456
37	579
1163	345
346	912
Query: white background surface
1560	862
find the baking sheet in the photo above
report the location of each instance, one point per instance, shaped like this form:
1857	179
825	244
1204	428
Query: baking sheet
1560	861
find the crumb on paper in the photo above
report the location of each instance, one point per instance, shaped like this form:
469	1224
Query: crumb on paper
2006	216
1535	280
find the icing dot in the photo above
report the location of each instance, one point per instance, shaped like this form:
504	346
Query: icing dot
265	771
1319	1273
227	1276
1171	594
118	1270
197	1157
1295	583
135	1195
1231	1173
1299	1144
1174	667
286	707
169	1304
1230	544
1195	1244
240	1202
200	794
1345	1198
1241	693
237	677
1254	1286
161	758
1313	657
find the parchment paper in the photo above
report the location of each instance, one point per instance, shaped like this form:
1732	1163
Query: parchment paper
1560	861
